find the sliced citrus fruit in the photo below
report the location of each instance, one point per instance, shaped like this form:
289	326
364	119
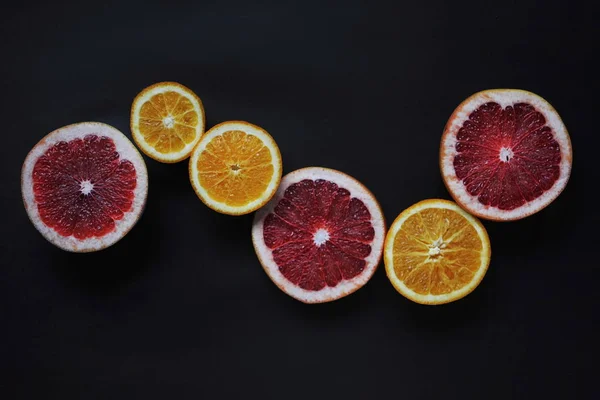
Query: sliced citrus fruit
321	237
505	154
84	186
435	252
235	168
167	121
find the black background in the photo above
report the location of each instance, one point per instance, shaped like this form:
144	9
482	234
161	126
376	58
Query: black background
180	308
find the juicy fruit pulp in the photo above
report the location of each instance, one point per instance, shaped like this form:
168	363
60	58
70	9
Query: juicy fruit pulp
436	251
235	168
319	235
168	122
506	156
320	238
82	187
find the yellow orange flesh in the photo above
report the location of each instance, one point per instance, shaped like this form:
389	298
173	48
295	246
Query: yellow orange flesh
235	168
436	252
167	121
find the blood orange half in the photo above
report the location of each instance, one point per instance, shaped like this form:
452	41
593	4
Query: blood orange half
321	236
505	154
84	186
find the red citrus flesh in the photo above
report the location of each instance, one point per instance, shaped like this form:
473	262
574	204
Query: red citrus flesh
506	157
321	236
82	187
505	154
318	234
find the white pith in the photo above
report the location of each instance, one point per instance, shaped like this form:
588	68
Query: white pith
167	121
86	187
505	154
321	237
249	129
345	287
504	97
126	150
430	298
435	249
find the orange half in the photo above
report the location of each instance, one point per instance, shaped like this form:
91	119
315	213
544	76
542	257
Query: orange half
235	168
435	252
167	121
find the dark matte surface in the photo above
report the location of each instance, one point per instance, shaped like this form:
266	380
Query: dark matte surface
181	308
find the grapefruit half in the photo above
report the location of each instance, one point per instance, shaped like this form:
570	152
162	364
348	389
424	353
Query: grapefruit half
321	236
84	186
505	154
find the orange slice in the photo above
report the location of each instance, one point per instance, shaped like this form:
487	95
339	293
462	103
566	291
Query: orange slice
436	253
235	168
167	121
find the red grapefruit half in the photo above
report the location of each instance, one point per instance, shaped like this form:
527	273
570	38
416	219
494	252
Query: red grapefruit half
505	154
84	186
321	236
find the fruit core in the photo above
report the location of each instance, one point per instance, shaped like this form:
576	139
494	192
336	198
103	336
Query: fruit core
169	122
508	156
435	249
319	234
86	187
82	186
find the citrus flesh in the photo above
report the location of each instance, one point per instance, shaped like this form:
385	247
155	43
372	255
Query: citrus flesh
167	120
236	167
436	253
84	186
505	154
321	236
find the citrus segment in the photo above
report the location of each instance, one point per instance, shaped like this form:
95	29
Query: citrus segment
235	168
505	154
436	253
84	186
320	238
167	120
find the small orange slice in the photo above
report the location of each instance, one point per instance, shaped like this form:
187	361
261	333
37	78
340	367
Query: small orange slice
167	121
436	253
235	168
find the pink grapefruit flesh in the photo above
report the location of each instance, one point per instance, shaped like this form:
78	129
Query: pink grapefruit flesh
505	154
84	186
321	236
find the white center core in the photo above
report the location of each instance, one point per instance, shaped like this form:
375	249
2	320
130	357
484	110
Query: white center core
169	122
86	187
321	236
434	251
436	247
505	154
